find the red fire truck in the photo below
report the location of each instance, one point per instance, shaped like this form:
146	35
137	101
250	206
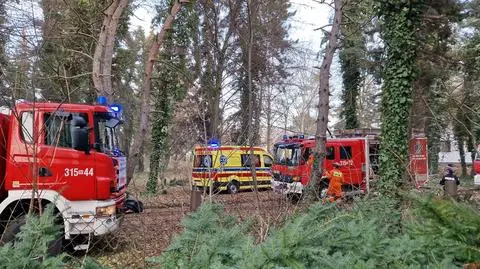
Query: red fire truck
66	155
357	153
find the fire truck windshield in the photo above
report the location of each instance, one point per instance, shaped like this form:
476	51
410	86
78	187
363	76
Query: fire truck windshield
106	132
288	154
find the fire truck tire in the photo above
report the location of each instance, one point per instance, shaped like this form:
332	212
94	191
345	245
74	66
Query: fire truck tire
233	187
294	198
13	228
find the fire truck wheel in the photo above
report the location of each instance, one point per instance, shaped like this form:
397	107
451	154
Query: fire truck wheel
294	198
233	187
13	228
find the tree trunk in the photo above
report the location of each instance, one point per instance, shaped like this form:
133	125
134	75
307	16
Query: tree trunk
146	89
108	48
324	95
401	20
98	55
461	151
141	162
251	101
268	112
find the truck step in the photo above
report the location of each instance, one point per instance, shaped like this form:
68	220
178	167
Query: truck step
81	247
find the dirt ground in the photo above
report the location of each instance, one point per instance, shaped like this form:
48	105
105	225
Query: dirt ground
149	233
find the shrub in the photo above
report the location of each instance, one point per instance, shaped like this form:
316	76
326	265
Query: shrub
436	234
30	248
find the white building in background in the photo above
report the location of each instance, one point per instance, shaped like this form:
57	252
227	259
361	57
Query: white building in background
453	157
449	149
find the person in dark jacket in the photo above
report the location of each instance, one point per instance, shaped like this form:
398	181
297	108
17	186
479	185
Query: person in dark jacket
449	175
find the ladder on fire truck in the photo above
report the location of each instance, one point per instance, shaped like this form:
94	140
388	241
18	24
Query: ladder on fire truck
372	157
372	152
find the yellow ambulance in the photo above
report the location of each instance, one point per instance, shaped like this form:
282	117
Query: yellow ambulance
228	168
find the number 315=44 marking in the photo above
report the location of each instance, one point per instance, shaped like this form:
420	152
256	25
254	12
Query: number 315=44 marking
75	172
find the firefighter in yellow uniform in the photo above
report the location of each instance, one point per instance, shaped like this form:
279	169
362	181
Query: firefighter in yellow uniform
334	190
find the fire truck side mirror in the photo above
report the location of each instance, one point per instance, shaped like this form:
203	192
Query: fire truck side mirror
80	139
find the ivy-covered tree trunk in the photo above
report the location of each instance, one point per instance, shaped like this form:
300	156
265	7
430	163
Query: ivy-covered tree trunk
401	19
141	132
170	88
160	131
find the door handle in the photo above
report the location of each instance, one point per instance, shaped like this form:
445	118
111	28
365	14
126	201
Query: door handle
44	172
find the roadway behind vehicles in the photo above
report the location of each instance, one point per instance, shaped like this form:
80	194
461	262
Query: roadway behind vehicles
227	168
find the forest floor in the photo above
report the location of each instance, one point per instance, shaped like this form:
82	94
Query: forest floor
148	234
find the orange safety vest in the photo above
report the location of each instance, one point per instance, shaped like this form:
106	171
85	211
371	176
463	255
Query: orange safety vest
336	181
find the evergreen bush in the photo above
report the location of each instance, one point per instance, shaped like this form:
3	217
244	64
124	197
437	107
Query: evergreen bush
435	234
30	248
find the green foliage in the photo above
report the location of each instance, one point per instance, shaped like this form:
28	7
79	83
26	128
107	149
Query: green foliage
432	233
30	248
69	32
401	19
210	240
450	224
430	106
353	57
169	87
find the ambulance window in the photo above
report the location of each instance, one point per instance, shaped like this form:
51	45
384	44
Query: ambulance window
345	153
330	153
26	126
203	161
246	160
267	161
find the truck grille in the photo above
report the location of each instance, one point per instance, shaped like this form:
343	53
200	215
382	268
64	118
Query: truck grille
282	178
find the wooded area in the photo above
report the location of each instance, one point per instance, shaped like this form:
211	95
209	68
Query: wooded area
230	71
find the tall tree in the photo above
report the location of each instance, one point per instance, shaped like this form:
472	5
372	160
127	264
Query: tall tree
270	42
169	88
145	108
352	55
127	71
434	63
401	19
102	58
214	52
324	94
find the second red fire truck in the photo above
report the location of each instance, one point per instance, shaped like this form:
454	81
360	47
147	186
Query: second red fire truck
357	152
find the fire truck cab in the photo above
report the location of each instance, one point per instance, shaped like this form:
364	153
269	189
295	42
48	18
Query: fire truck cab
66	155
358	154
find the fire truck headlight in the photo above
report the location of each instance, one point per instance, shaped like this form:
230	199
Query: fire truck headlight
106	211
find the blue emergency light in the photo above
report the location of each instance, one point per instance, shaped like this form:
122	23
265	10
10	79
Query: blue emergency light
117	108
213	143
102	100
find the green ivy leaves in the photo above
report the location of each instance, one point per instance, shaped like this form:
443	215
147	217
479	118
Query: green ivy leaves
401	19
